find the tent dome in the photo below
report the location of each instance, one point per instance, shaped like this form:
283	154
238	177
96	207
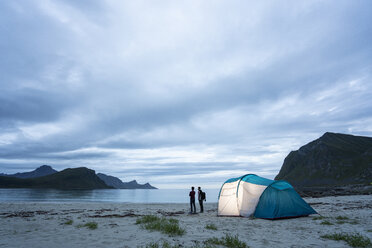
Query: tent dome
261	197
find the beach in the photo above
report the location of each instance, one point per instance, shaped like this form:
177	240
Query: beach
40	224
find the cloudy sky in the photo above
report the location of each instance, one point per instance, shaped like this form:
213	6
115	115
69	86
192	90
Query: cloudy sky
179	93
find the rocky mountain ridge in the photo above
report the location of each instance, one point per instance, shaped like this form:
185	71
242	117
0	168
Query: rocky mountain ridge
118	184
43	170
334	162
42	177
76	178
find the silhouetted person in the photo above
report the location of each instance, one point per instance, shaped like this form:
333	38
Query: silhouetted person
201	198
192	200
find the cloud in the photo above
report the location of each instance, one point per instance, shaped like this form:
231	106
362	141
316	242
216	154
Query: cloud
194	92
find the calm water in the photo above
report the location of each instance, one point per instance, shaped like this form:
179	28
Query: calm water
102	195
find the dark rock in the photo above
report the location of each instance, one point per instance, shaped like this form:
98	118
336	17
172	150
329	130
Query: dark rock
118	184
77	178
89	180
43	170
334	164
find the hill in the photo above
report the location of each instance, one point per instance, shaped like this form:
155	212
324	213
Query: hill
118	184
77	178
333	160
43	170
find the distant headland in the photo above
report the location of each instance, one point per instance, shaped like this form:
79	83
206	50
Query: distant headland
72	178
334	164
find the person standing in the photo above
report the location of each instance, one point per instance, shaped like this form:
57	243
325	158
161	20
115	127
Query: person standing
192	200
201	198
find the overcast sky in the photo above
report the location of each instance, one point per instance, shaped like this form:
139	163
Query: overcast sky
179	93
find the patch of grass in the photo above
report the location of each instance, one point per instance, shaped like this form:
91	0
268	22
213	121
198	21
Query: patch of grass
167	226
326	222
341	222
165	244
319	218
204	246
354	222
354	240
370	230
227	241
90	225
211	227
147	219
342	217
69	222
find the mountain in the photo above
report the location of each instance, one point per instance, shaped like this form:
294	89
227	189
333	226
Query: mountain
333	160
118	184
77	178
110	180
134	185
43	170
66	180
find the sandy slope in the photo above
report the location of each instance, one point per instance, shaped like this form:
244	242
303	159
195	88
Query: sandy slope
41	224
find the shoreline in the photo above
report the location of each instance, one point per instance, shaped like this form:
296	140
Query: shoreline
43	224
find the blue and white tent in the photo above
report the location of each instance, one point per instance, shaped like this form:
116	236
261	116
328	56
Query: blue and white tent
263	198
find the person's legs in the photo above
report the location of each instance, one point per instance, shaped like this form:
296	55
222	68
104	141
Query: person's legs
201	206
193	204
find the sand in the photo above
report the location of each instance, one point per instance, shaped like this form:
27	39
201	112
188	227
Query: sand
42	224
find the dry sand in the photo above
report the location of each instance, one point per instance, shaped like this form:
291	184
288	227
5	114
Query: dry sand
41	224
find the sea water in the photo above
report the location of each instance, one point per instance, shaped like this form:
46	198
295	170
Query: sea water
103	195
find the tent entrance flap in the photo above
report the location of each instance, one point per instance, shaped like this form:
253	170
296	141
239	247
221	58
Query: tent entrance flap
248	196
227	203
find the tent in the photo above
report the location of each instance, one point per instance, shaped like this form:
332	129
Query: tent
263	198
